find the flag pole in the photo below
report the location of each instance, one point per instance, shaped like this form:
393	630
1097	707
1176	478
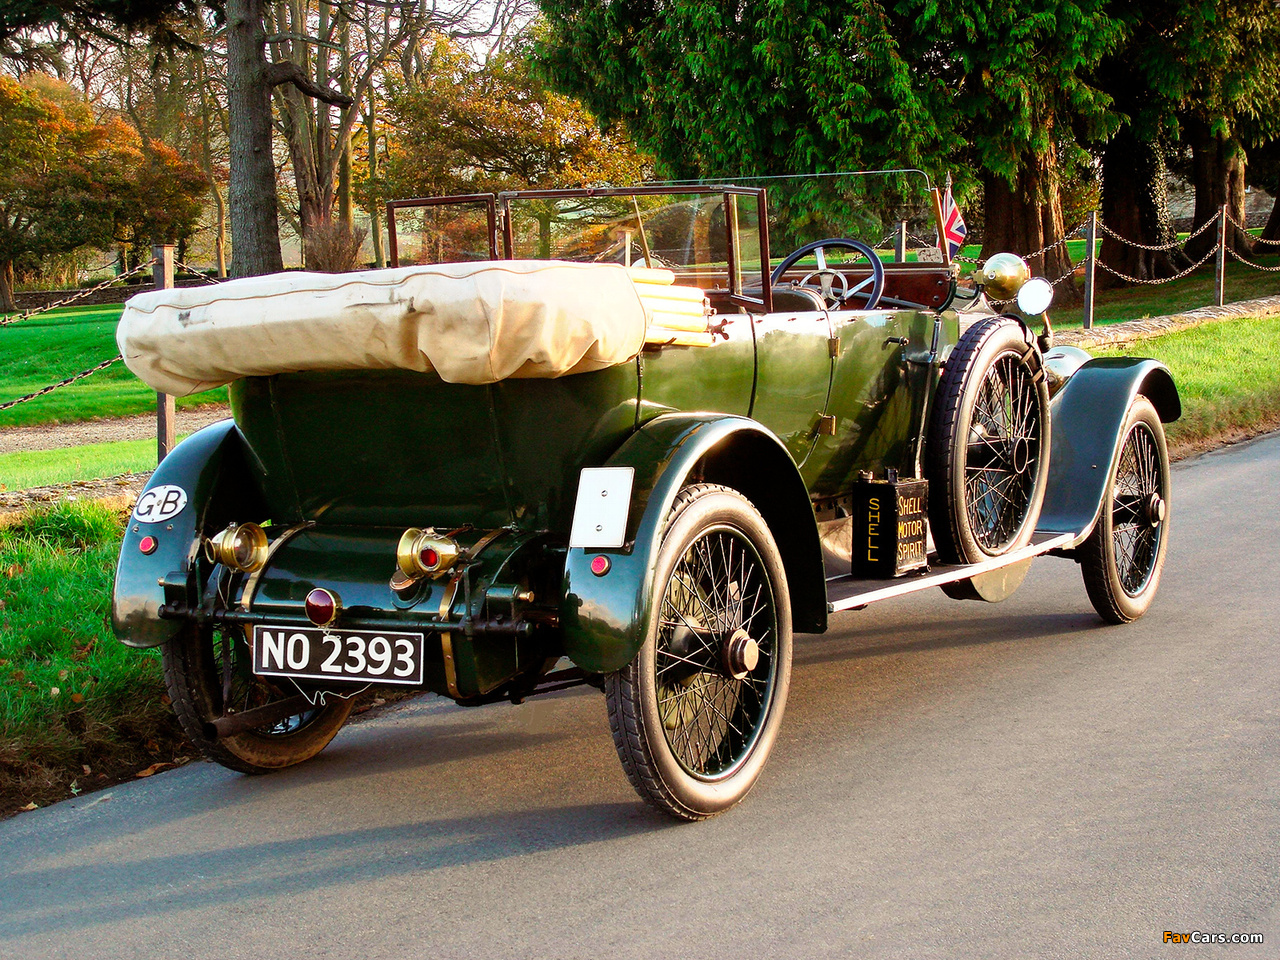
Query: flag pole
943	245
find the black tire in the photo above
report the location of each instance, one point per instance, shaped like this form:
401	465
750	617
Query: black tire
1122	559
988	446
693	720
193	674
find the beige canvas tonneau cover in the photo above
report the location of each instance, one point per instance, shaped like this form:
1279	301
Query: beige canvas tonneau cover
471	323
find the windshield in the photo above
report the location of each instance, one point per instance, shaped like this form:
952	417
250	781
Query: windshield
708	239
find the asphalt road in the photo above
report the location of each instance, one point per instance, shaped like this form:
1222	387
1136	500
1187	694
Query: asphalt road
953	780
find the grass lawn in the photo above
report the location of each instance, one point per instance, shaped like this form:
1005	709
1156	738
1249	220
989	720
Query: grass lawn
77	708
37	352
1226	375
22	470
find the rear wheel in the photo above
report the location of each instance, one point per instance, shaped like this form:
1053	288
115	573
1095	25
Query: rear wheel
1122	559
208	676
988	453
694	716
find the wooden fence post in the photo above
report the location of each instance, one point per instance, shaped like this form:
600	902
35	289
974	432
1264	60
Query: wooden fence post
162	272
900	242
1090	262
1220	271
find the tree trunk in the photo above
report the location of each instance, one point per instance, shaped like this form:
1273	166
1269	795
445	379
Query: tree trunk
1217	168
206	164
1272	230
344	142
1135	204
375	211
255	229
6	287
1028	217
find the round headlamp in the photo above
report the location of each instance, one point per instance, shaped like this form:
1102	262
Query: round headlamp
1035	295
242	546
1003	275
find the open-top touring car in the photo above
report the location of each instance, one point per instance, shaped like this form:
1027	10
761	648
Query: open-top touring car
609	427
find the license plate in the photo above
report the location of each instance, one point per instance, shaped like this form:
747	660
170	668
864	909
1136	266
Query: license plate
319	654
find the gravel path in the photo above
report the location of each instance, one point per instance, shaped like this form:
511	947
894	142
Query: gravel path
53	436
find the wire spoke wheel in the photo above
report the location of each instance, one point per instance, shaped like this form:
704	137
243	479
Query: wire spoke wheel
695	714
710	716
988	444
208	676
1122	559
1002	454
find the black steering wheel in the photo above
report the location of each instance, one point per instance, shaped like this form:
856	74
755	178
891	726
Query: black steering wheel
828	275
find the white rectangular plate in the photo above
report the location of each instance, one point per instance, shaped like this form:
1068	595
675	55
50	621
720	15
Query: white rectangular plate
600	515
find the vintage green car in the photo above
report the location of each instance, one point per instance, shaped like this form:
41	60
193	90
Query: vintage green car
603	437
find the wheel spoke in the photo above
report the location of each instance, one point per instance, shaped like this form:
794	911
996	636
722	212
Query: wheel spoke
710	719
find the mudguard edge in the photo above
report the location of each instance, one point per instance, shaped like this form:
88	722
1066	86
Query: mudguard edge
209	466
603	618
1088	414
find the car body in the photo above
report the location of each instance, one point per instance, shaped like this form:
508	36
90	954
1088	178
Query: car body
792	438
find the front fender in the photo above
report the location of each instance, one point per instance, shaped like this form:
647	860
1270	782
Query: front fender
209	468
1088	415
603	618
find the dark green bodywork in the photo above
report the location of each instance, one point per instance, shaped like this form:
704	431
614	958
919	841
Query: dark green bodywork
785	408
1088	414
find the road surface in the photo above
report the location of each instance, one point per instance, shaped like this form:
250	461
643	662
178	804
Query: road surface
953	780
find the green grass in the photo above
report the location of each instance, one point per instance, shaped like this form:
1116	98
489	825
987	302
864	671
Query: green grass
1226	374
71	696
54	345
22	470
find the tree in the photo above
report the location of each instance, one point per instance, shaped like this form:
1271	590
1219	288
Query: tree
53	165
1023	89
469	128
760	88
1231	90
68	182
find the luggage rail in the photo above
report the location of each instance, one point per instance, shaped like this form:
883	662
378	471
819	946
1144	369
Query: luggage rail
848	593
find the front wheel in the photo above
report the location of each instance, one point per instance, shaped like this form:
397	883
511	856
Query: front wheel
694	716
1122	559
207	674
988	452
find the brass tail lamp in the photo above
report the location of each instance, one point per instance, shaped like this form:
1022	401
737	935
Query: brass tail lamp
241	546
425	553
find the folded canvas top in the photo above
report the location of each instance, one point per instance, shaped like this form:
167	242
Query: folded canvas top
471	323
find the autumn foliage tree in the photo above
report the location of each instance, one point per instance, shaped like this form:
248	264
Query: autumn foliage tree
467	127
68	182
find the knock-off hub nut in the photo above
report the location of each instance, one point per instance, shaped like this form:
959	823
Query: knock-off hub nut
741	654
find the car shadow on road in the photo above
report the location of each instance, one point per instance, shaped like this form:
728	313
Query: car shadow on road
922	636
237	872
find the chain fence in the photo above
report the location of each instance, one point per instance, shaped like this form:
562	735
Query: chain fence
65	382
78	295
1095	229
36	311
197	274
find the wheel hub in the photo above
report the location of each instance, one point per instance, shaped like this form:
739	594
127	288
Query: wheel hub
741	654
1153	510
1021	455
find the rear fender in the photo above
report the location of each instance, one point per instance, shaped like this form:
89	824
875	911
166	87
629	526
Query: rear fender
203	483
603	617
1088	415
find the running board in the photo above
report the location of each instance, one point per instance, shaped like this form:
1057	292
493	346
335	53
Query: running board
849	594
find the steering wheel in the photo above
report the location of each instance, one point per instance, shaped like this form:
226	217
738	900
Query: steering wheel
827	275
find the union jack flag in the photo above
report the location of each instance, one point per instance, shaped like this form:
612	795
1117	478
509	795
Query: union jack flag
953	229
